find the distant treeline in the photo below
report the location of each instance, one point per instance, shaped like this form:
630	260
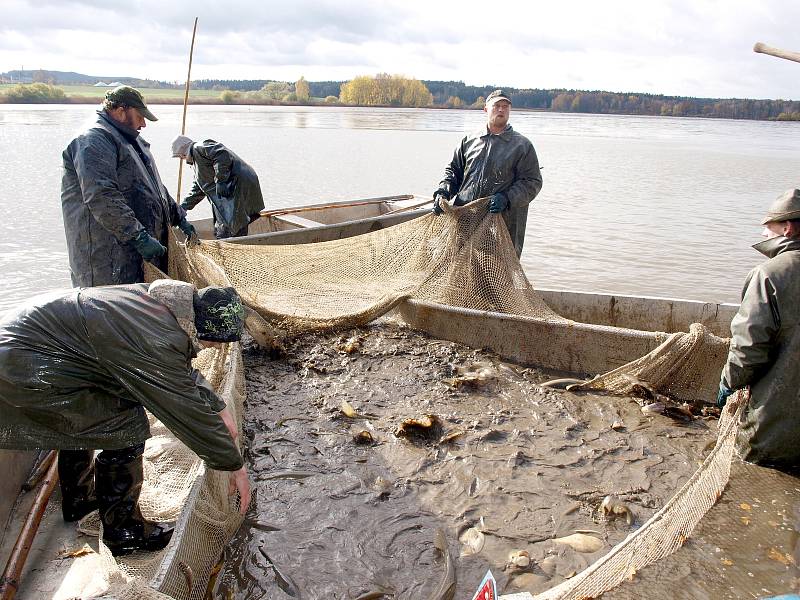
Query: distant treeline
457	94
621	103
562	100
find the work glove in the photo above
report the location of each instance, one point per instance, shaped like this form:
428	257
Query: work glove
189	231
148	246
722	395
498	203
224	188
185	206
437	200
222	231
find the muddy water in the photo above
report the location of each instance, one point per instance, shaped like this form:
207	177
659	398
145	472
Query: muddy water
512	465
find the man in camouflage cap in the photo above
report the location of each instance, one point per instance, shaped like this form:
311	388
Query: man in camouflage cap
765	343
80	368
117	212
494	161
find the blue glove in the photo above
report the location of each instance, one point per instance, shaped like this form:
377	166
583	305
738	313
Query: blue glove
437	209
188	230
722	395
148	246
498	203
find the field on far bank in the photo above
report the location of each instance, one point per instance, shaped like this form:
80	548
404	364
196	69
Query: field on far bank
89	92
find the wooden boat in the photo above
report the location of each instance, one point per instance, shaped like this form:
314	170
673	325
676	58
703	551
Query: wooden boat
326	221
606	331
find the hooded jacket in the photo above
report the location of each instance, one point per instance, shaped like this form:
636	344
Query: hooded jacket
110	191
78	369
214	163
765	355
485	164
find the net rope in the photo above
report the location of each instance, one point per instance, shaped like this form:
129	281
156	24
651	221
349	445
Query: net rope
463	258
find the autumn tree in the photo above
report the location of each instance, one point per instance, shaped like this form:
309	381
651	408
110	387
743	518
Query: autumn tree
275	90
385	90
302	90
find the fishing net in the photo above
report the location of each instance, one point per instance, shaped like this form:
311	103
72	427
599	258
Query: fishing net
463	258
685	366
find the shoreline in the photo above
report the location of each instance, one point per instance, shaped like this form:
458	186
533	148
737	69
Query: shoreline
218	102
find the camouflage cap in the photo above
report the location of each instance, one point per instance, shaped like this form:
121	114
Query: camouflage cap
218	314
125	94
497	95
785	208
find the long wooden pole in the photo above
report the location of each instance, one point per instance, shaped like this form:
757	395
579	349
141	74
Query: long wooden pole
788	55
185	106
16	562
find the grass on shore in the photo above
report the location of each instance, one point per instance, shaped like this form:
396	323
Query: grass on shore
89	92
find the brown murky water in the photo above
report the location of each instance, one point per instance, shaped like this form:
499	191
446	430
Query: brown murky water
510	466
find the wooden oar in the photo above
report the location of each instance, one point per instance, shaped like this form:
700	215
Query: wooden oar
19	554
185	106
788	55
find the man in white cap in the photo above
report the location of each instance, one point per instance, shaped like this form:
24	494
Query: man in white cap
494	161
765	345
229	183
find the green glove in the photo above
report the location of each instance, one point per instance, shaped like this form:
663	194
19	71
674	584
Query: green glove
148	246
189	231
185	206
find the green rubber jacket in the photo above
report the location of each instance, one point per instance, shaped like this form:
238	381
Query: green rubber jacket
214	163
765	355
486	164
110	191
78	369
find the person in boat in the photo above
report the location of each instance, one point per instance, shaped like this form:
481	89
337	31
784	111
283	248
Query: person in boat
765	344
494	161
117	212
229	183
79	368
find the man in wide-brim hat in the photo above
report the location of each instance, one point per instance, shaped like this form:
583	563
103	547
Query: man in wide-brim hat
765	345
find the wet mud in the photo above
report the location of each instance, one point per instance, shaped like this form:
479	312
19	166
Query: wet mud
351	503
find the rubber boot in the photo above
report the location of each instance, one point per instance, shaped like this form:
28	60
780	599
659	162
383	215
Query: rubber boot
76	477
118	481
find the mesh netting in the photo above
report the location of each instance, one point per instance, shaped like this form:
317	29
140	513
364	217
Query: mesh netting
685	365
462	258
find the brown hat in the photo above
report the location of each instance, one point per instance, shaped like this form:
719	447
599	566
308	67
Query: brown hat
785	208
125	94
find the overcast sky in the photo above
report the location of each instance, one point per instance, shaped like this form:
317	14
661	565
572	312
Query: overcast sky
674	47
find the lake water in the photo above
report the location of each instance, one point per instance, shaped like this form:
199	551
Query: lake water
634	205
